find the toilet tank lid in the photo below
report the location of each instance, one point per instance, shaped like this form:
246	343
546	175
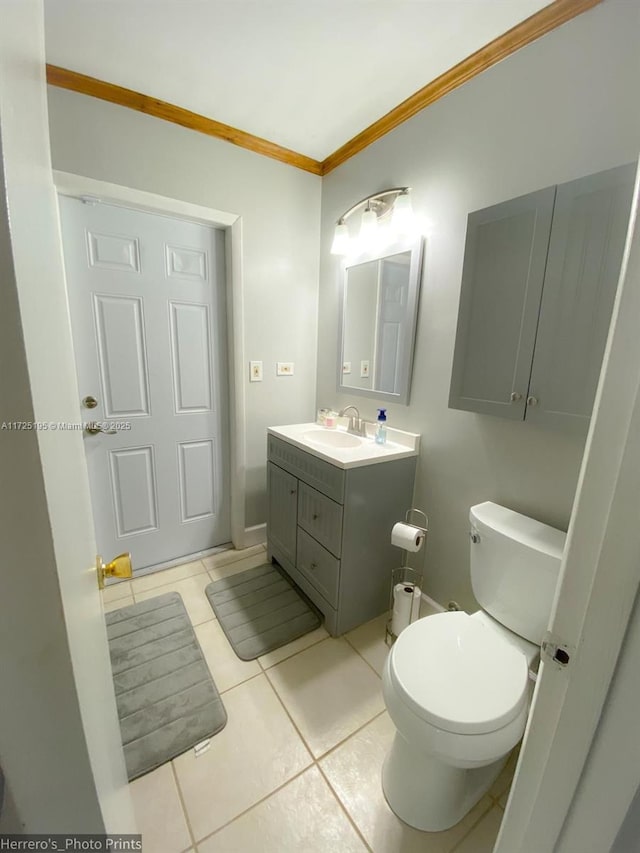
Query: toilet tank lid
513	525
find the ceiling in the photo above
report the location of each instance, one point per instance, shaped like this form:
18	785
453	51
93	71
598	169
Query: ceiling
305	74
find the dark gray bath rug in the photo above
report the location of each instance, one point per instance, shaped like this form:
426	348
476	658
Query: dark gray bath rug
167	700
260	610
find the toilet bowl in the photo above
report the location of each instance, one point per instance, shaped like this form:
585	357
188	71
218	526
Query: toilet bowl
457	686
458	694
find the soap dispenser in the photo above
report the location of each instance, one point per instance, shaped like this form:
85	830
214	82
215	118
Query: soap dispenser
381	431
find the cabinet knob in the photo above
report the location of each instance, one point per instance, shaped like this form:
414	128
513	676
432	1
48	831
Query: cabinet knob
292	492
532	401
515	397
313	566
315	516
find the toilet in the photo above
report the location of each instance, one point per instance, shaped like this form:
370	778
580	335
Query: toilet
457	686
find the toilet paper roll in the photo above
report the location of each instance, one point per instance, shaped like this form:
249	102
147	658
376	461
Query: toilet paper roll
402	602
407	537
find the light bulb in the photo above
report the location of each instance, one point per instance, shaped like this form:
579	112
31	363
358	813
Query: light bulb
402	216
368	228
340	245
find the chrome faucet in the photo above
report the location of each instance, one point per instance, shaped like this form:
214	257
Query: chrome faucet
355	421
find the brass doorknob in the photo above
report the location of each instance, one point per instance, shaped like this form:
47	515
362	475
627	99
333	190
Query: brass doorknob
119	567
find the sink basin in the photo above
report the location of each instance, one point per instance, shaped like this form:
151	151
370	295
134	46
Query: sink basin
324	438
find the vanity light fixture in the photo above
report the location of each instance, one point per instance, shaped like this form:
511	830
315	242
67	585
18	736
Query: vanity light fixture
375	208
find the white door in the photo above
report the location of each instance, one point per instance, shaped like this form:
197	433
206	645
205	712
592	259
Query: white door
147	301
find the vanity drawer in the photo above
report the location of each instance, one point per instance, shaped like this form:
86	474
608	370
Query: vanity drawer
323	476
319	567
321	517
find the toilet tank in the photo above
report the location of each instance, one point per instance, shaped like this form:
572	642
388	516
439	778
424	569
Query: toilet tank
515	564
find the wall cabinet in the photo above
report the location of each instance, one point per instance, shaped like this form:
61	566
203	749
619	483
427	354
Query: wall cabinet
538	285
330	529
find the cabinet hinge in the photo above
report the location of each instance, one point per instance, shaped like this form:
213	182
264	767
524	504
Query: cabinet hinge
553	650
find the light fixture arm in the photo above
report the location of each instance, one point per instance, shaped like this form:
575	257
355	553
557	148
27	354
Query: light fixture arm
382	202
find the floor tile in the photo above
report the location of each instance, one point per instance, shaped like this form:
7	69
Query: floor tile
369	641
216	572
167	576
329	691
192	592
292	648
482	837
226	667
257	751
108	606
354	772
115	591
159	813
302	816
231	556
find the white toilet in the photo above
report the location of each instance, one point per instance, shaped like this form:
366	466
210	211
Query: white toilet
457	686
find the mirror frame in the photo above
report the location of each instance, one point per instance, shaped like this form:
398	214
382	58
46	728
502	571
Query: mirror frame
414	245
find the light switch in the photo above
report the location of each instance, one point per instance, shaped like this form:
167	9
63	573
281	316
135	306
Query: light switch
346	367
364	369
255	371
284	368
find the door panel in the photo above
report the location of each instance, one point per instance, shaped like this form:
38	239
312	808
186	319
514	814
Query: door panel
133	486
196	466
585	253
122	357
147	301
191	351
504	264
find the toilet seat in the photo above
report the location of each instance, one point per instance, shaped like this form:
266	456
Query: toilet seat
458	675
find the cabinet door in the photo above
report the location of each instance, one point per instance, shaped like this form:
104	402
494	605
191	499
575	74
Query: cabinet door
282	490
504	264
585	253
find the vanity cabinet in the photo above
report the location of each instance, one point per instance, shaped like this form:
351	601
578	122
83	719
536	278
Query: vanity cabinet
329	528
538	285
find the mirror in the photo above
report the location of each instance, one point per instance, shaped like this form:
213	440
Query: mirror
379	312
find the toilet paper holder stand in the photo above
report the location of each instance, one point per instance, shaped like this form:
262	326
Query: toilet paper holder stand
406	577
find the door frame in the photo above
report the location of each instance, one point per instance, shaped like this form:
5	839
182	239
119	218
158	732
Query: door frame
599	581
69	184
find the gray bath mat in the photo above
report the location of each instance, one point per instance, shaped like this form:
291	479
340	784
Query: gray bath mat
260	610
166	698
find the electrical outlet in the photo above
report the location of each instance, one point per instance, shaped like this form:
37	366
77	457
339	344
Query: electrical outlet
284	368
346	367
255	371
364	369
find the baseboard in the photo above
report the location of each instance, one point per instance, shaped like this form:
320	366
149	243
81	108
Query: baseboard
256	535
432	603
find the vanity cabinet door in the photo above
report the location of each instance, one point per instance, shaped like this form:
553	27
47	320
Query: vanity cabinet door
503	273
585	255
282	491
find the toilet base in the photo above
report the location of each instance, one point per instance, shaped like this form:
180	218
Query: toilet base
428	794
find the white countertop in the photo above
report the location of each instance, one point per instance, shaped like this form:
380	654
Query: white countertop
399	445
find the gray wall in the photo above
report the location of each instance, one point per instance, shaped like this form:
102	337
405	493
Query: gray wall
280	207
563	107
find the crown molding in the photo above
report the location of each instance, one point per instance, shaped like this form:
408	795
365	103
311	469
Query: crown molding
539	24
532	28
64	78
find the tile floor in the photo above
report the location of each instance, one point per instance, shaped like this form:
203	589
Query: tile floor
297	767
